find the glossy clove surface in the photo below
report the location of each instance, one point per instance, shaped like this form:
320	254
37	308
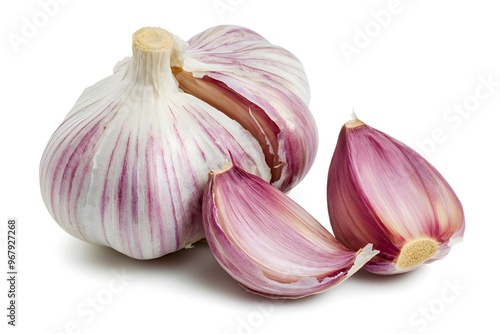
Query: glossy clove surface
383	192
270	244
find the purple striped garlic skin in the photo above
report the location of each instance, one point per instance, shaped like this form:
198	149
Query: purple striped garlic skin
128	165
381	191
270	244
270	78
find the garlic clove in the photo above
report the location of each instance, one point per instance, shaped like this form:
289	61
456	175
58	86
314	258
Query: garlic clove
268	243
269	90
128	165
381	191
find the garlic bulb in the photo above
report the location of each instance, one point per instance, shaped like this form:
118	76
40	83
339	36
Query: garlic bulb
268	243
127	167
381	191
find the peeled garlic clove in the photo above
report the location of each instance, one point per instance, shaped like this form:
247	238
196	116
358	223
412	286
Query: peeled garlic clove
268	243
381	191
128	165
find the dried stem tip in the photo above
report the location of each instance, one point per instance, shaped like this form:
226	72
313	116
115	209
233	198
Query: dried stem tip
416	252
354	122
227	167
152	39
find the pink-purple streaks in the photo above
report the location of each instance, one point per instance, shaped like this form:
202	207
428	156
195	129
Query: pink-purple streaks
155	204
240	50
72	157
438	191
65	144
193	180
106	195
381	191
124	220
174	187
342	185
228	34
242	263
134	204
221	131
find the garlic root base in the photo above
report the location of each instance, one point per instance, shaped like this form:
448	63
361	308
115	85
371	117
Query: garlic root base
416	252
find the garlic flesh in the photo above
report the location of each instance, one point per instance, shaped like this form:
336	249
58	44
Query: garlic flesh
383	192
270	244
128	165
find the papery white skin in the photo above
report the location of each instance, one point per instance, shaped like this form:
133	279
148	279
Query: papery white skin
268	243
382	191
127	167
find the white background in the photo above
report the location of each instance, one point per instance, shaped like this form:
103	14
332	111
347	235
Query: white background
428	58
